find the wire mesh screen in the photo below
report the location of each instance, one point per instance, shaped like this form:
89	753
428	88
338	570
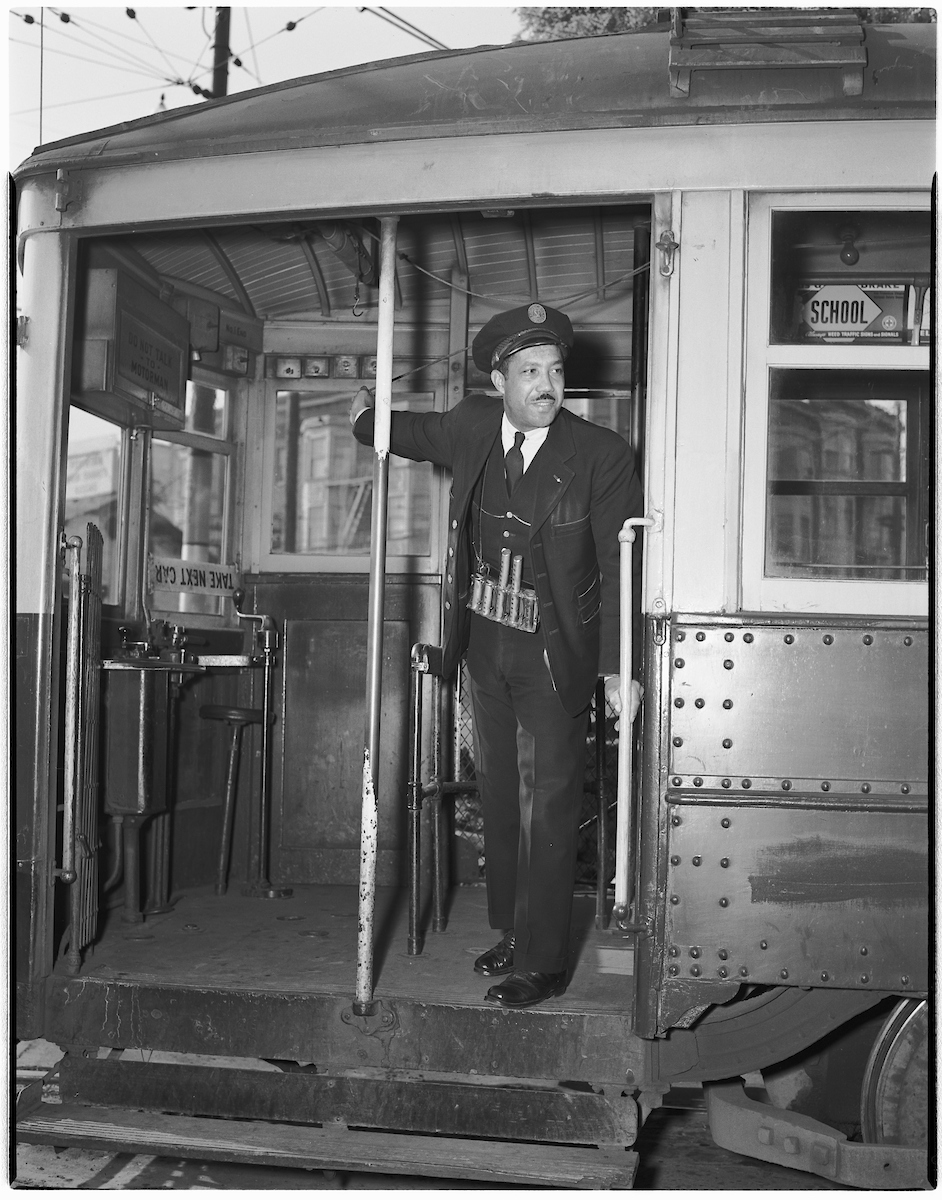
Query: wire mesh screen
601	763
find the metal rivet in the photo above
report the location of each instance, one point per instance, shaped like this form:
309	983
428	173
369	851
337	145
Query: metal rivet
701	637
864	978
726	822
725	783
679	635
728	637
783	974
727	743
694	951
673	951
695	970
904	979
792	1145
673	969
724	903
727	704
747	783
764	1135
678	741
675	860
865	788
743	970
675	899
827	639
678	662
675	820
905	789
696	860
676	782
825	976
763	945
728	664
907	641
867	640
789	638
825	786
864	951
722	972
747	637
699	702
678	703
724	862
722	954
786	785
697	782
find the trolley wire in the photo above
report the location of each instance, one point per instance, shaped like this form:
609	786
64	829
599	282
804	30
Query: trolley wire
404	26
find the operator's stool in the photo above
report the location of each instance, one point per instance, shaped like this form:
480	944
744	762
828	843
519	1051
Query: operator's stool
237	718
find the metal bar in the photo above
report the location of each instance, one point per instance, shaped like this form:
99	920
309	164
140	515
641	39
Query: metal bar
73	681
265	783
419	665
626	539
363	1002
439	851
601	809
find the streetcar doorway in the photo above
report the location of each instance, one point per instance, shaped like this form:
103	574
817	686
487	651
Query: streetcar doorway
236	518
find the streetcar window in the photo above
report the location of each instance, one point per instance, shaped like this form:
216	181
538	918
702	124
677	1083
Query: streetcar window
323	481
850	278
189	488
93	485
847	486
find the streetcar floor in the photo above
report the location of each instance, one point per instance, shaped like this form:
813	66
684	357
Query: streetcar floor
308	943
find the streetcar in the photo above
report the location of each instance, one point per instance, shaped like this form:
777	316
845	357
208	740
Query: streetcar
735	210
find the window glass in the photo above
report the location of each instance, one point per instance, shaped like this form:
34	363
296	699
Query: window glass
850	277
93	474
188	488
323	481
846	486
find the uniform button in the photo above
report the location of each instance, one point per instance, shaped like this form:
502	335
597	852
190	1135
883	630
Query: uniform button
454	524
506	533
510	514
450	578
448	604
451	552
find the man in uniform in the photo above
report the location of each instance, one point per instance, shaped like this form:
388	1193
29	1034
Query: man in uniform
531	596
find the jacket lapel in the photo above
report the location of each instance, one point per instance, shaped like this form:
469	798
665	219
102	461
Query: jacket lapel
554	475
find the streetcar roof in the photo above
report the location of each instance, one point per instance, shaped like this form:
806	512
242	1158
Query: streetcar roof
616	81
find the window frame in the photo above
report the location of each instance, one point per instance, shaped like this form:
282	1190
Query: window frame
762	593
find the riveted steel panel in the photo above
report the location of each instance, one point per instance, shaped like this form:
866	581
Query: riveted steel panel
800	896
834	709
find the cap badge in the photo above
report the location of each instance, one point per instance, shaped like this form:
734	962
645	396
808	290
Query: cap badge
536	313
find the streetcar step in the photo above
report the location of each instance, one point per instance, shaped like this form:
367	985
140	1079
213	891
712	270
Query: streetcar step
335	1149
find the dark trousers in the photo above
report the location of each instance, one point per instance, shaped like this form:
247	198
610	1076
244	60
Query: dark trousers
530	767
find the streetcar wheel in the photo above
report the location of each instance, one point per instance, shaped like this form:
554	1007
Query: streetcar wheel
894	1105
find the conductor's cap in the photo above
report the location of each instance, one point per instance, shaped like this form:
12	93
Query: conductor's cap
508	332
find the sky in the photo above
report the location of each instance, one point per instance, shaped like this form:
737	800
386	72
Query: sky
102	66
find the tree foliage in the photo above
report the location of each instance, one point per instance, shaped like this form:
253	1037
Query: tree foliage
552	24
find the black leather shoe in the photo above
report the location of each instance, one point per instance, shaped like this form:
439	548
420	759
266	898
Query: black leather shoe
499	960
524	988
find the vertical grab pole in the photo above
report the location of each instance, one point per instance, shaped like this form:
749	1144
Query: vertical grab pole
363	1002
73	702
626	539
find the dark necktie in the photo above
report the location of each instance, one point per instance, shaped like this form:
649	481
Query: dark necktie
513	462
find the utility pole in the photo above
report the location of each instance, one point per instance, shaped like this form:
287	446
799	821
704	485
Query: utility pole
221	53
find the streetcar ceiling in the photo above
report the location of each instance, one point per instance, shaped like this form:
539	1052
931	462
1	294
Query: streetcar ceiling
307	270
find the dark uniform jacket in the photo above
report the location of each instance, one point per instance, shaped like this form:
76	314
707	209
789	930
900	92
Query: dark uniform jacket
586	488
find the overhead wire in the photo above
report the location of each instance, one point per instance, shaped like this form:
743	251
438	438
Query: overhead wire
94	62
404	26
84	100
125	56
